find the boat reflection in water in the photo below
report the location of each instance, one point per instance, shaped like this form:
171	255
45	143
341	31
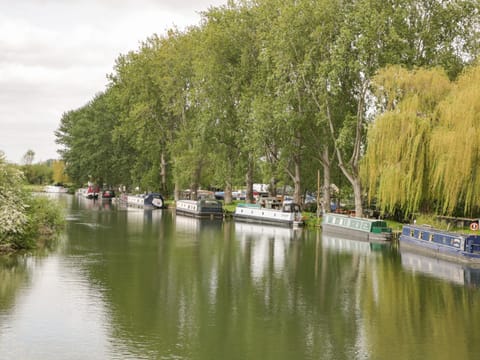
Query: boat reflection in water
190	229
360	247
450	271
268	248
244	230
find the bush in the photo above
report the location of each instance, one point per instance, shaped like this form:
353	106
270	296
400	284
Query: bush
25	220
45	219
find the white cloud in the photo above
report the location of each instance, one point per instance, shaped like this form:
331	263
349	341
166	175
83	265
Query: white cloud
55	55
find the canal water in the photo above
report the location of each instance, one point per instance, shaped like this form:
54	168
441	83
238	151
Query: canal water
134	284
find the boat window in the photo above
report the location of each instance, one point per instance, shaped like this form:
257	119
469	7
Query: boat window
412	232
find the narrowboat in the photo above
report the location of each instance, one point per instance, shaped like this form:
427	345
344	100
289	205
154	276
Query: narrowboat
286	215
445	244
356	227
202	208
148	201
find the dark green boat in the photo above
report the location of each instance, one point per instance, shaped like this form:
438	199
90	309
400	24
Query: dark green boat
355	227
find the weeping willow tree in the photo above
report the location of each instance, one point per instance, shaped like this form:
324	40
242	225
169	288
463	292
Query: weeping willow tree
396	165
455	147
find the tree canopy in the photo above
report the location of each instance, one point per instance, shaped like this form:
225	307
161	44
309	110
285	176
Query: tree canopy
265	90
424	151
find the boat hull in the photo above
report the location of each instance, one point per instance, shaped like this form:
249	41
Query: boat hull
268	216
354	234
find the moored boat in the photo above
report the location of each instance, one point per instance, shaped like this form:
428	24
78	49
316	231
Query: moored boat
287	215
108	194
148	201
92	192
55	189
208	208
356	227
445	244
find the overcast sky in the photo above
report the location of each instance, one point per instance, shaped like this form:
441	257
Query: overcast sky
55	55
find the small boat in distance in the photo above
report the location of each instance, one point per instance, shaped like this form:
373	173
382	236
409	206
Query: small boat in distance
92	192
55	189
445	244
287	214
108	194
202	208
358	228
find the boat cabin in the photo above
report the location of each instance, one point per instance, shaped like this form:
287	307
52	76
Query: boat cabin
465	242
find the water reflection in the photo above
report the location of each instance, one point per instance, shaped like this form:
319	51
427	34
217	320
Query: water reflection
457	273
154	285
266	247
344	245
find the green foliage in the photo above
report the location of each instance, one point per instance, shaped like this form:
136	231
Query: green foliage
59	176
13	218
424	152
45	220
455	146
38	174
267	86
24	219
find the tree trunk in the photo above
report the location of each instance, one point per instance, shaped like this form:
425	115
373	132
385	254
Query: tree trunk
228	193
163	172
297	195
249	183
326	180
272	189
352	175
357	191
176	192
195	182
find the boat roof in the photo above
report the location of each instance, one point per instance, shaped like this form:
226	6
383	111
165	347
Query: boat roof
354	217
430	228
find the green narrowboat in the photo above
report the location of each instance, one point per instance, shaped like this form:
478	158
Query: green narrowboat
355	227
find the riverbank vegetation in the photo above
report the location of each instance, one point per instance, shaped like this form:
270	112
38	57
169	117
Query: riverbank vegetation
280	92
25	220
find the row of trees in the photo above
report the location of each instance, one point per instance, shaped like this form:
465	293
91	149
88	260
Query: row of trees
263	90
43	173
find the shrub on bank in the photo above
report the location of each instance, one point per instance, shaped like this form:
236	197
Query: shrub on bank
25	219
45	220
41	220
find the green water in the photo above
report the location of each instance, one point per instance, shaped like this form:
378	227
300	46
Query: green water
134	284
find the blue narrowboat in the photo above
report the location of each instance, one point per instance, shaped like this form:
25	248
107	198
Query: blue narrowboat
463	247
